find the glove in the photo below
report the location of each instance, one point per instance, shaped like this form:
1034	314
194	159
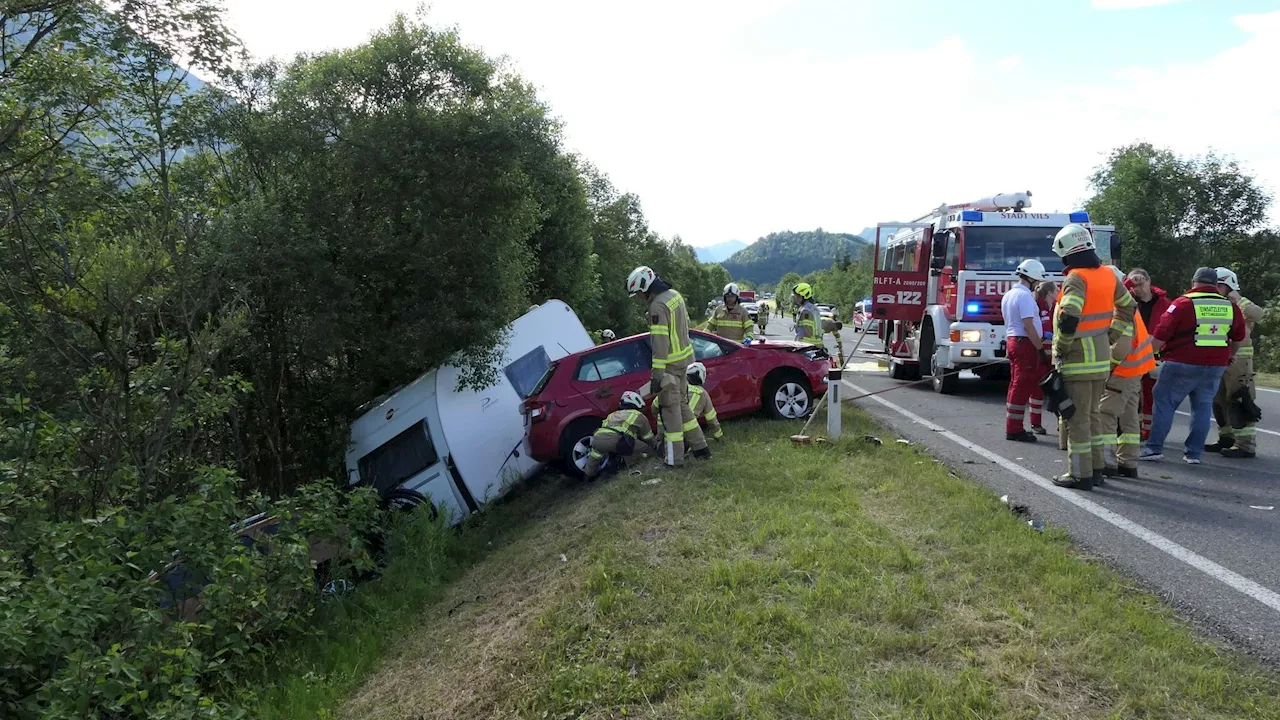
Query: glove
655	381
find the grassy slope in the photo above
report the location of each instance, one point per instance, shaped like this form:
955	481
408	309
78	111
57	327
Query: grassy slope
1271	380
848	580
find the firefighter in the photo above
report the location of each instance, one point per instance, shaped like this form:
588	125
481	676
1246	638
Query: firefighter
699	402
1094	312
607	336
1196	338
1152	304
1044	293
1237	433
731	321
808	319
672	354
623	434
762	318
1025	342
1122	399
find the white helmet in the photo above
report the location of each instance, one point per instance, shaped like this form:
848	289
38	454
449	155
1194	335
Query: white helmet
640	280
631	399
608	336
696	373
1072	239
1228	278
1031	269
731	289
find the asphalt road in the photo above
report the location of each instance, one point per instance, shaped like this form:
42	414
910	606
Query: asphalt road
1205	537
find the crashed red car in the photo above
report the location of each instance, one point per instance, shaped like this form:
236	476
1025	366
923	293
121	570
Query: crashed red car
578	391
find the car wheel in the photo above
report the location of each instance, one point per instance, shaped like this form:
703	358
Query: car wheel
575	445
788	397
897	370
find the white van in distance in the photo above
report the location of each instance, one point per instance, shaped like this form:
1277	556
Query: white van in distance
428	443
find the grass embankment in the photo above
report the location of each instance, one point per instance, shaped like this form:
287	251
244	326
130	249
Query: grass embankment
845	580
1271	380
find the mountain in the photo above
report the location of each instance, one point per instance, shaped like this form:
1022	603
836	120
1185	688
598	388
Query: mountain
766	260
719	252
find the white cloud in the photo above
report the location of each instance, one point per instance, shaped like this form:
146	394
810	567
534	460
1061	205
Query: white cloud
1129	4
720	146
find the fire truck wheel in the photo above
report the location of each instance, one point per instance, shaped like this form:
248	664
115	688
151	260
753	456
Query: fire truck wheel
897	370
943	382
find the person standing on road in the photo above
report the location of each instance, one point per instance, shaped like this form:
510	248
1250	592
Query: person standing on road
1024	338
1152	302
1237	432
1044	293
624	433
731	321
807	316
1094	312
672	354
1121	400
1196	338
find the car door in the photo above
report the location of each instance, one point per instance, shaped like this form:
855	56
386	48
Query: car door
603	375
730	380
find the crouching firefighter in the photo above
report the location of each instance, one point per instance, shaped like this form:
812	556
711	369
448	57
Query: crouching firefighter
1235	406
1095	311
672	354
699	401
623	434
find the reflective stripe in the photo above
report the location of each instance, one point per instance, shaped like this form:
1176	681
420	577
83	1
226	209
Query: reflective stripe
1245	352
673	437
1130	439
691	425
1212	312
1141	358
1247	431
678	352
659	330
1102	440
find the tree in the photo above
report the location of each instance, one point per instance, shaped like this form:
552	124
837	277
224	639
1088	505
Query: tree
1173	213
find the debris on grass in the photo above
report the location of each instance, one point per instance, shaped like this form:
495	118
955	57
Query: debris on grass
652	481
1263	507
872	439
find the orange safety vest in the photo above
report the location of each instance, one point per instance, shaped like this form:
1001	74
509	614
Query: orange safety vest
1141	358
1099	301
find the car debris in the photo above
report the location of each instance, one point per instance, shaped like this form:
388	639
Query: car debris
1263	507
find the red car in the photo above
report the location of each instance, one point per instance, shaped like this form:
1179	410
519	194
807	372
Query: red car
578	391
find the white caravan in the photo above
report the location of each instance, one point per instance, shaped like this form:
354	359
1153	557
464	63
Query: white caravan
430	443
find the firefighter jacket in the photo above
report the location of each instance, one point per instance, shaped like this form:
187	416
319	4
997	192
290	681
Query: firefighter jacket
731	323
700	404
669	334
1141	358
1094	312
628	422
1252	314
807	322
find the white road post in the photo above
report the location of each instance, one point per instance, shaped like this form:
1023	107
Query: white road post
833	403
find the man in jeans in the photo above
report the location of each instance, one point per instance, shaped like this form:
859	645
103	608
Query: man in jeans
1196	338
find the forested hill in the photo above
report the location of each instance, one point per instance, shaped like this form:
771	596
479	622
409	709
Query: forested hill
766	260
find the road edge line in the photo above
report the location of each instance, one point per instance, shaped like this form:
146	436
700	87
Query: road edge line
1227	577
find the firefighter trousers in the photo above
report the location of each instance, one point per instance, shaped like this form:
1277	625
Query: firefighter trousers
1119	407
1227	411
1024	370
1086	434
680	427
608	442
1148	383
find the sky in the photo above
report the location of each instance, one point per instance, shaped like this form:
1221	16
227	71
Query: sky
731	119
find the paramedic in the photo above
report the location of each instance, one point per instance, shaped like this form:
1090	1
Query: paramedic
1045	293
1024	335
1152	302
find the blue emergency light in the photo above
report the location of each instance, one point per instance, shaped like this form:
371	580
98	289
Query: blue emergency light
971	308
1079	217
971	215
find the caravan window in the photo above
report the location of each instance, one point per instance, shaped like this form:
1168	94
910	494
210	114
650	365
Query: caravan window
525	373
399	459
614	361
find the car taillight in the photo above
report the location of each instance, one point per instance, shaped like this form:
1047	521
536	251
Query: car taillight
538	413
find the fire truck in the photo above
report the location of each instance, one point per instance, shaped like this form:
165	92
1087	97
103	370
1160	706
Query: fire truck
939	279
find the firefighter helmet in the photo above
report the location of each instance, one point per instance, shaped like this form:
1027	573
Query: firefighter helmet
696	373
632	400
804	290
1228	278
640	280
1032	269
607	335
731	289
1073	239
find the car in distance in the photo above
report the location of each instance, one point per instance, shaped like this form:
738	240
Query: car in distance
577	391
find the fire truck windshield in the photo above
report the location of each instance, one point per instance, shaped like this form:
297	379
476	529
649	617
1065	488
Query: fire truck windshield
1003	247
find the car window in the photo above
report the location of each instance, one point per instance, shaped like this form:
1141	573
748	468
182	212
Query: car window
706	348
614	361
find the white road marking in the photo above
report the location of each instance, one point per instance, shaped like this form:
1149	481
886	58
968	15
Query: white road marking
1233	580
1261	430
1270	390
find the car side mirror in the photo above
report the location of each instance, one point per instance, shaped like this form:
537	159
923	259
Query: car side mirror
1115	249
